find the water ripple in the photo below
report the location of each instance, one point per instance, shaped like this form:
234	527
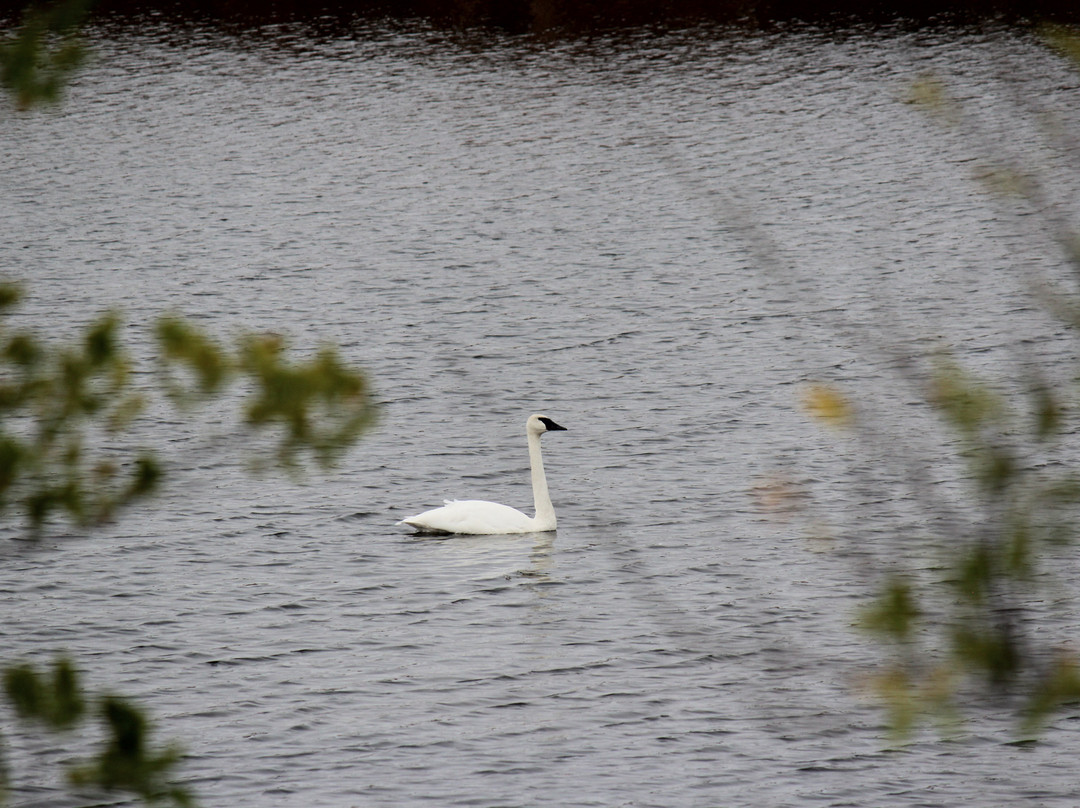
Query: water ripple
494	230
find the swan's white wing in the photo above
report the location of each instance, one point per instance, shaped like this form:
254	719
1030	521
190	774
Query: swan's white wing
472	516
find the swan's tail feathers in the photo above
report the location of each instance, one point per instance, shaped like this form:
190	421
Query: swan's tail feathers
417	524
422	521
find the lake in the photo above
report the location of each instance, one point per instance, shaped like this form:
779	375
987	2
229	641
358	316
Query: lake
656	239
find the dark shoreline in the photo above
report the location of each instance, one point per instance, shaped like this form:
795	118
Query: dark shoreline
582	16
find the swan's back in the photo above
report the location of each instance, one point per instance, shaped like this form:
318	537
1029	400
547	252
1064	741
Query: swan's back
472	516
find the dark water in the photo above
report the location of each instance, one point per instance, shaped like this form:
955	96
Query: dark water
657	242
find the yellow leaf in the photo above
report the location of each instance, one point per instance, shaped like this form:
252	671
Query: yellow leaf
826	404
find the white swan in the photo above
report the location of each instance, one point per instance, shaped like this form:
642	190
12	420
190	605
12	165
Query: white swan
476	517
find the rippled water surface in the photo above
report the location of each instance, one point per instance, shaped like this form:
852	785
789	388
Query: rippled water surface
656	240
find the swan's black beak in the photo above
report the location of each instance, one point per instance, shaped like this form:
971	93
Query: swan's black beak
552	426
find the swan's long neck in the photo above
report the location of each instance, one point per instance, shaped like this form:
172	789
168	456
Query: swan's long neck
545	512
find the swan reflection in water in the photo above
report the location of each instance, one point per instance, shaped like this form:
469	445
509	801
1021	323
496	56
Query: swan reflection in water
479	518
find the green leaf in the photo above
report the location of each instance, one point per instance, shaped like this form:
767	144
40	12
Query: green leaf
966	403
24	351
146	476
10	295
55	700
36	64
184	345
1059	686
894	612
128	762
100	341
1047	411
988	650
321	405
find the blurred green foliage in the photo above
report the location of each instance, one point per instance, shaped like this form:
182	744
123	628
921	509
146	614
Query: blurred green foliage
50	399
968	620
981	628
968	615
66	415
55	700
37	62
321	406
65	410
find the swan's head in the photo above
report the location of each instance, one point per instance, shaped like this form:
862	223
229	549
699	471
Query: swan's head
539	424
